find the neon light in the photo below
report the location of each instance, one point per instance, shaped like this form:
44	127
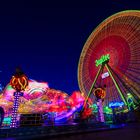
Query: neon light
116	104
19	82
104	75
103	59
38	98
130	101
129	95
107	110
15	110
7	120
99	93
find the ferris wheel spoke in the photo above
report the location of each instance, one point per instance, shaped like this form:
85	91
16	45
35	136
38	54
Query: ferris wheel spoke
118	36
137	72
126	89
129	73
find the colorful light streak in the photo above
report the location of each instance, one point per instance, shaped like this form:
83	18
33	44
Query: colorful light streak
39	98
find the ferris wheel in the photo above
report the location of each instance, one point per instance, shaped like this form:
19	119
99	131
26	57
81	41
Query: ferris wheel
110	59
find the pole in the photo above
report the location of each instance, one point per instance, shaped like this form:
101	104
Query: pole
100	110
15	109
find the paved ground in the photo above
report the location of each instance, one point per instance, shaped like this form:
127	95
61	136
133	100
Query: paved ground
128	132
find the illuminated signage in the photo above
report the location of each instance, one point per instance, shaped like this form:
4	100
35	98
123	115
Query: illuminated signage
103	59
99	93
104	75
116	104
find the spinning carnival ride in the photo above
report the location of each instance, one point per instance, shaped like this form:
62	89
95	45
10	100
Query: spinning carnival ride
110	60
39	98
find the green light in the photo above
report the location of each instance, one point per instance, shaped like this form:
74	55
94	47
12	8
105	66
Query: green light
107	110
7	120
94	108
130	101
103	59
117	86
129	95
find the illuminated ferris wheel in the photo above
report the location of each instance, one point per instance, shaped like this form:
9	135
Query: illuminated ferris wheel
110	59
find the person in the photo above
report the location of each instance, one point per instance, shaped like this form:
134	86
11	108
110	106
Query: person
1	115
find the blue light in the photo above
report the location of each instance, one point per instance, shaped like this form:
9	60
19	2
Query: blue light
116	104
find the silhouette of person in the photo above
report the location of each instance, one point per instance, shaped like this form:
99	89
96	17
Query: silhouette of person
1	115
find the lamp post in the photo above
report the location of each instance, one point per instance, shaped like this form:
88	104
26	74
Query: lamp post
19	82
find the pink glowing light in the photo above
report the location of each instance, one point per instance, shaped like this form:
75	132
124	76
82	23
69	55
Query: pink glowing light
39	98
33	90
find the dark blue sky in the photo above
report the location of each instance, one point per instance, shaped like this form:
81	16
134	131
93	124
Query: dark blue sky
46	38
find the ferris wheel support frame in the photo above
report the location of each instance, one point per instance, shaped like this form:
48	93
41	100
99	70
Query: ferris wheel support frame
93	84
116	85
128	89
105	64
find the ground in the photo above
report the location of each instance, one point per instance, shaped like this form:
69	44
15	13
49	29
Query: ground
127	132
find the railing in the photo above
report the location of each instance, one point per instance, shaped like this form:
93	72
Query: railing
24	119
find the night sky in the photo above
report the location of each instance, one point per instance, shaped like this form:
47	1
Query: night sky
46	38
